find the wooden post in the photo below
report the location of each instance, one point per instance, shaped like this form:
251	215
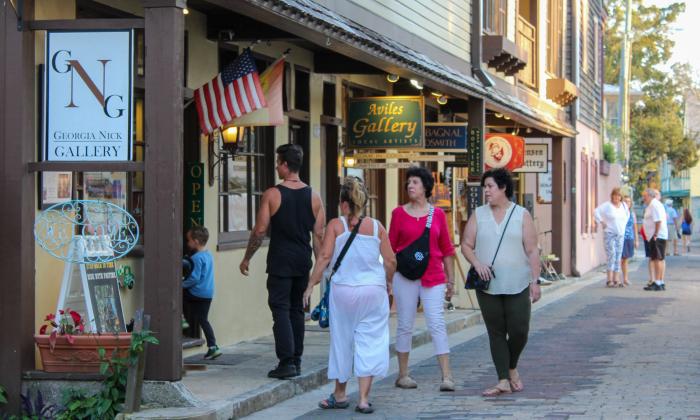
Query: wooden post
134	380
17	189
164	33
558	228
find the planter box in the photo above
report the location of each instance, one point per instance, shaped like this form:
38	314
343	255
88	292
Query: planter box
82	355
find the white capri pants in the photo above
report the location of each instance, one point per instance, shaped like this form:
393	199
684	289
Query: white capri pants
359	328
406	293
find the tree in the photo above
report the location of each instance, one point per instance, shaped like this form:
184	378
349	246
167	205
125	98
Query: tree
651	41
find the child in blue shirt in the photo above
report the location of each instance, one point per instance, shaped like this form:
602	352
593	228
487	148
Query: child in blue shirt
198	287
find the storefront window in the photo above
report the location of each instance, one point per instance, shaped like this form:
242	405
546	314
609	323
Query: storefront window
243	178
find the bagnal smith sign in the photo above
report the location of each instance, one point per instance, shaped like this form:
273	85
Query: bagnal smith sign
446	137
385	122
88	101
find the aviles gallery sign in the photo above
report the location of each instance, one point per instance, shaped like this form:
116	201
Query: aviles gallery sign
385	122
88	102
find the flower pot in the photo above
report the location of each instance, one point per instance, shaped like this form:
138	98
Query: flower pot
82	355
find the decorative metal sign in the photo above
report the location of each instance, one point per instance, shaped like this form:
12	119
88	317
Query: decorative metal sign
474	153
385	122
88	83
504	151
446	137
106	232
536	156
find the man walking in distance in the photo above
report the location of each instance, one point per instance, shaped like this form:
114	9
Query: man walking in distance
657	233
292	212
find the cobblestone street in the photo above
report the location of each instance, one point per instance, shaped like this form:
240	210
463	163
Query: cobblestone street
598	353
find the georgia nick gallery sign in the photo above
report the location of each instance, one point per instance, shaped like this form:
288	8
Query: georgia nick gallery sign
88	101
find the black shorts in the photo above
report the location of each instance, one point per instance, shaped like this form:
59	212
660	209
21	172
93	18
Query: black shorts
657	249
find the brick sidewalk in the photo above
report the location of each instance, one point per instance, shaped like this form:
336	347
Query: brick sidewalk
599	353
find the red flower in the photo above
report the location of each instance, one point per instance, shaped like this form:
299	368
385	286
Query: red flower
76	317
81	328
50	317
43	328
60	311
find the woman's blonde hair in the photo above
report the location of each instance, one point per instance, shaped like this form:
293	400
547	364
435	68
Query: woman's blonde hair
354	192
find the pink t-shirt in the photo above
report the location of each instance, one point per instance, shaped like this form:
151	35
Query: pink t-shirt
404	229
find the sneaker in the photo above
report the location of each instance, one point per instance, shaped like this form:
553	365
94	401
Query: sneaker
213	353
663	286
283	372
543	281
654	287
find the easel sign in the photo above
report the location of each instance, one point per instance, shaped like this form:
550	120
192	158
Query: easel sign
92	288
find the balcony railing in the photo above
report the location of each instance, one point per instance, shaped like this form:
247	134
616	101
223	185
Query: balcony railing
527	40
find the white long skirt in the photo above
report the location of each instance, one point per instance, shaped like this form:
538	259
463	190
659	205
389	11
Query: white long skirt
359	328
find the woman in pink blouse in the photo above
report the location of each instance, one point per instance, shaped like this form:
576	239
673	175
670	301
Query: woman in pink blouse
437	282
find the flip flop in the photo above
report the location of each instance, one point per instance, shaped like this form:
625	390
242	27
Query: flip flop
331	403
365	410
609	284
495	392
516	385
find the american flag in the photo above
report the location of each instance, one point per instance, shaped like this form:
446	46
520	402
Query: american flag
234	92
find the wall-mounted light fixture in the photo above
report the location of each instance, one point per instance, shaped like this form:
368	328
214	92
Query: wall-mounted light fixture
437	94
506	117
185	11
498	115
416	84
442	100
349	162
232	138
392	78
528	130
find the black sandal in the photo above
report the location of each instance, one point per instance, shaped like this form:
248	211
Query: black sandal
365	410
331	403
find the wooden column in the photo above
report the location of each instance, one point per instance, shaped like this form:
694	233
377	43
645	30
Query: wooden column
558	206
164	35
17	189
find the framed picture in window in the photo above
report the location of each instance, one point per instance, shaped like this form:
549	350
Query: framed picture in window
55	187
544	185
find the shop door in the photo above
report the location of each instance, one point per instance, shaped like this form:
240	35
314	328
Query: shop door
299	134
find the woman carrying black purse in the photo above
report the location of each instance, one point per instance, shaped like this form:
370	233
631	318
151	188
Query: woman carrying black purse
425	271
503	234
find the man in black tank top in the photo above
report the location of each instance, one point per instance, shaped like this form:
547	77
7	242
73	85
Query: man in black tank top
292	212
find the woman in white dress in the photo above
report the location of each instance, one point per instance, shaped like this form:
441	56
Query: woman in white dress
359	303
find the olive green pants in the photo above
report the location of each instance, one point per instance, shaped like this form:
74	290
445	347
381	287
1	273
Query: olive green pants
507	319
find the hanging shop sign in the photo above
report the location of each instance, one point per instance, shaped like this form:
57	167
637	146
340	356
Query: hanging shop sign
386	122
536	156
382	165
418	157
474	153
194	195
504	151
88	79
446	137
475	197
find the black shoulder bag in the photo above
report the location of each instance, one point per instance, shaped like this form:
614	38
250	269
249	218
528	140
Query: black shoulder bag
412	261
474	280
321	312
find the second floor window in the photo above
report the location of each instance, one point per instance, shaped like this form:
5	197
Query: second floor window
495	16
555	23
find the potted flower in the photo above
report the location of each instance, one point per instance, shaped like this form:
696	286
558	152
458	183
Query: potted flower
69	348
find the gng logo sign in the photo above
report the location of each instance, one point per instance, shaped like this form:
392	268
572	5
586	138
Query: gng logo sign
88	95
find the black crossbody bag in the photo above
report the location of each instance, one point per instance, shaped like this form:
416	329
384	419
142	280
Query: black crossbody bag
474	280
412	261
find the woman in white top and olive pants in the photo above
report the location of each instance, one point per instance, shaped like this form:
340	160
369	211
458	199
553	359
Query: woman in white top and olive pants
505	306
359	301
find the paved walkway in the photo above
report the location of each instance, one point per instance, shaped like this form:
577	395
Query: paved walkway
598	353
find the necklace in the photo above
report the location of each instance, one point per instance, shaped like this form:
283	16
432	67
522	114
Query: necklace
292	180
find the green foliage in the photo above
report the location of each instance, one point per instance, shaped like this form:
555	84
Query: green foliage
651	41
609	153
108	401
3	395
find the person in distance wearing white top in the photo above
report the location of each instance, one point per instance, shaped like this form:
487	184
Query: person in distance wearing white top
359	302
612	216
657	231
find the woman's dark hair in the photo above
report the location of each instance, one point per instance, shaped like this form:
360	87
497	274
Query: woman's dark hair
292	155
687	217
426	178
502	178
